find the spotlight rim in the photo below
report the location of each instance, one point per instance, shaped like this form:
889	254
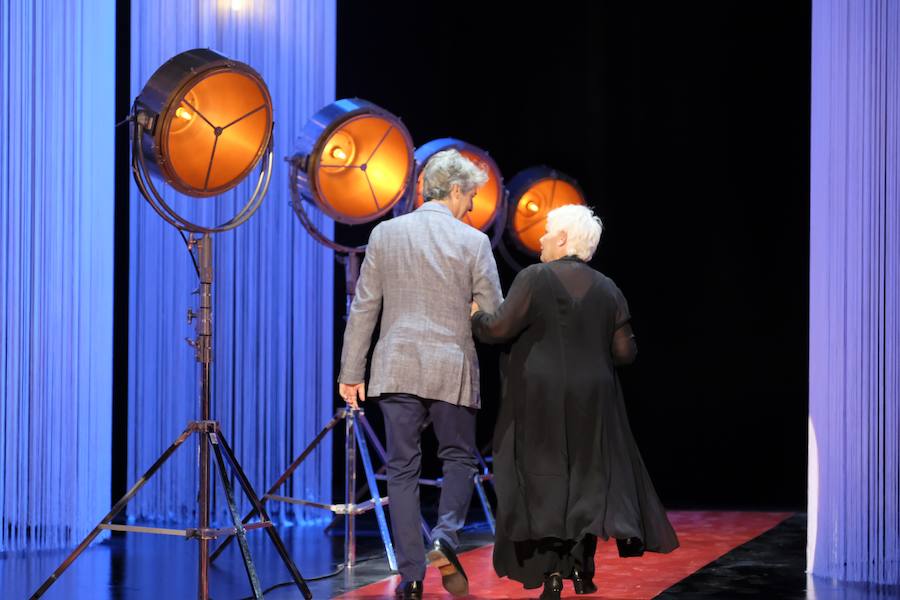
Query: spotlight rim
318	131
160	98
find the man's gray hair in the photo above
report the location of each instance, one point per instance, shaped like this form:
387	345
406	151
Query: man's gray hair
448	168
582	227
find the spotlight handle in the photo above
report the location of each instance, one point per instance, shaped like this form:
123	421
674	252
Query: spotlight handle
297	203
148	190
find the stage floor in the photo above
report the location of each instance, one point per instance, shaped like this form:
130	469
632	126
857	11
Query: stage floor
723	555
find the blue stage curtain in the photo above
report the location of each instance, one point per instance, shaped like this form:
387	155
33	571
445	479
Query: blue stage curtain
854	466
57	80
273	386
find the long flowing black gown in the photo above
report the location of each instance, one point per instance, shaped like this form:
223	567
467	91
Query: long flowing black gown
566	467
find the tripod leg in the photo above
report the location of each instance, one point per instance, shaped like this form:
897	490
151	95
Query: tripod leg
379	449
479	454
203	516
350	489
485	504
240	533
479	485
112	513
480	457
426	530
260	509
285	476
379	509
382	455
360	494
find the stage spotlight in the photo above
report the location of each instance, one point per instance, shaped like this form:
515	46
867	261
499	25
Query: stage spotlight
208	121
488	205
201	123
532	194
354	161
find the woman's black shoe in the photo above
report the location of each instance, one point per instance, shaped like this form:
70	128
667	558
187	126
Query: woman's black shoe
552	587
582	584
630	547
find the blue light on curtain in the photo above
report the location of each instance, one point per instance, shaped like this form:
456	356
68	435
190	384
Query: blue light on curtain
854	477
57	79
273	387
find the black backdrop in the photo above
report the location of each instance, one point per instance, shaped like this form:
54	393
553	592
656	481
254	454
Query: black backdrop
687	125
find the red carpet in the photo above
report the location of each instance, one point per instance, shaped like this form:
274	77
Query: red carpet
704	536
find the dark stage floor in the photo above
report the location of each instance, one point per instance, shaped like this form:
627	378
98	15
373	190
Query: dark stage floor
724	555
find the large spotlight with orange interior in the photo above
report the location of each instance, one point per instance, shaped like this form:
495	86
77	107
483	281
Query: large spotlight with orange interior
201	123
487	207
354	161
532	194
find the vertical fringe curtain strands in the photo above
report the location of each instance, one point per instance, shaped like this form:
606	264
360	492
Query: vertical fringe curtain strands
57	79
272	386
854	341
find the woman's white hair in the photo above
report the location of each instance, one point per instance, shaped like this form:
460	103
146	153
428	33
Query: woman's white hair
448	168
582	227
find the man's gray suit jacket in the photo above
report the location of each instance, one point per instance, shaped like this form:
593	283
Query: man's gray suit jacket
421	272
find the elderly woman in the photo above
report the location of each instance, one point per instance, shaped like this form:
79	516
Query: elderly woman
566	466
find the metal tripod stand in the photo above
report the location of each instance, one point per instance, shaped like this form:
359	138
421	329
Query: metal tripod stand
210	436
350	508
355	439
479	479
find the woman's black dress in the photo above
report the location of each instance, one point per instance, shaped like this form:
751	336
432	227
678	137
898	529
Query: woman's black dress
566	467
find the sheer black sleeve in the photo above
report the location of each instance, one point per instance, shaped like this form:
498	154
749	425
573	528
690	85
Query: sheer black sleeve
624	346
512	316
623	315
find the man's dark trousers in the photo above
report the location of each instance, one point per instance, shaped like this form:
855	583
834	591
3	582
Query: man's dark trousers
454	426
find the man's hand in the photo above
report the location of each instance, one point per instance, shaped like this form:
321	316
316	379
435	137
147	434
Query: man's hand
352	393
475	309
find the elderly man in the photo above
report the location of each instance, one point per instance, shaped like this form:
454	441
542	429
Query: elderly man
422	271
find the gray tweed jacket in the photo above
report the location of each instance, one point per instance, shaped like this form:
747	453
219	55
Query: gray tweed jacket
421	272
